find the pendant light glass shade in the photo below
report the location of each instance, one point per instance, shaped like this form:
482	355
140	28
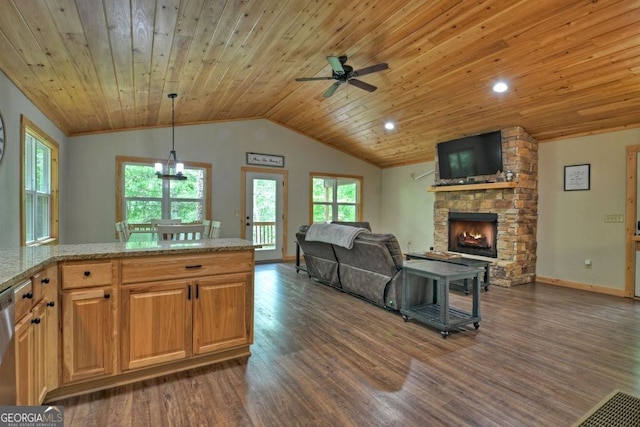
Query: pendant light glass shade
172	169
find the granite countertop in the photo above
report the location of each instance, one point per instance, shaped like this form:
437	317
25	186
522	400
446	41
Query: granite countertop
20	263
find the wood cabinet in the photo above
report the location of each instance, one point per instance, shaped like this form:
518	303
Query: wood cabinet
46	284
156	321
40	324
25	388
37	337
84	325
168	320
87	332
88	327
223	312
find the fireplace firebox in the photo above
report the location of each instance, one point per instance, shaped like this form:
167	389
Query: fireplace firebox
473	233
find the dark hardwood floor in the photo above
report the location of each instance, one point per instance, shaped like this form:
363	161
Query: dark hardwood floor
543	356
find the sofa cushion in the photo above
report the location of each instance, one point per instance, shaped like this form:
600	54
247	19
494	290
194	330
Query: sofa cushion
391	243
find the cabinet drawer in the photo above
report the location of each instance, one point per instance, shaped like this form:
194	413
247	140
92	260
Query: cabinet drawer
136	270
86	275
43	280
23	299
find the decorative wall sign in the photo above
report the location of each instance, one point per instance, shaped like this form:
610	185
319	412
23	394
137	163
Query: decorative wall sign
577	177
265	160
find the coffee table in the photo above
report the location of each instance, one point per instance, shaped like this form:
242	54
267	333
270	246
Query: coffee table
436	311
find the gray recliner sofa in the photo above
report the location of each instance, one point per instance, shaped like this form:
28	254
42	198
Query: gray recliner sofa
371	269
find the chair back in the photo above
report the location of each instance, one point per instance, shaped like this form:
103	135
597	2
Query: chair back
181	232
122	228
207	226
156	222
214	230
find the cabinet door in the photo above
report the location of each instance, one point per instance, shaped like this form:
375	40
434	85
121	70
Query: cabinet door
156	322
223	313
24	361
40	325
87	334
48	279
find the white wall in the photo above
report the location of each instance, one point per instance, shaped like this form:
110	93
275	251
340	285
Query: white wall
90	193
12	104
407	206
571	225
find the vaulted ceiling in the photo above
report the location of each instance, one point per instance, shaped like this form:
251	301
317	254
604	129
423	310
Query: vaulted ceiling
573	67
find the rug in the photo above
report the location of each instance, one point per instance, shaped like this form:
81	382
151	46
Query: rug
616	410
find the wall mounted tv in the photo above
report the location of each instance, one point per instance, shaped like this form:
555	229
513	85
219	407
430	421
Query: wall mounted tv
470	156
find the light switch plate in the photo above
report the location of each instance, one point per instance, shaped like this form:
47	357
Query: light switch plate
614	218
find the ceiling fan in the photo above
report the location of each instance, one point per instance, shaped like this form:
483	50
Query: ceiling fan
344	73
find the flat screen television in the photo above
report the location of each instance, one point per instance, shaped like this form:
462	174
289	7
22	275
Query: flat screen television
470	156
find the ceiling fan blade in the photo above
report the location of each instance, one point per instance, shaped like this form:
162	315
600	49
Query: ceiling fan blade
308	79
362	85
335	63
331	89
371	69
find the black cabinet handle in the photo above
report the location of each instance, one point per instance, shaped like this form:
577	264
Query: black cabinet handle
197	291
36	320
107	296
28	295
51	304
189	293
45	281
87	273
193	267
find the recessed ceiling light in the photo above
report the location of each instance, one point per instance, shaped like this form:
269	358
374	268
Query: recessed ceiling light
389	126
500	87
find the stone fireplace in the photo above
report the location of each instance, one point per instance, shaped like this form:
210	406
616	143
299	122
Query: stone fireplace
513	204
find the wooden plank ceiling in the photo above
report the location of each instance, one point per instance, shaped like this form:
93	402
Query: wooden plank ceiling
99	66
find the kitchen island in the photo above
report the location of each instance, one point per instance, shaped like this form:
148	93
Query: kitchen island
91	316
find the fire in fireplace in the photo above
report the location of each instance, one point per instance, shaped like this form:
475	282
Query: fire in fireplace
473	233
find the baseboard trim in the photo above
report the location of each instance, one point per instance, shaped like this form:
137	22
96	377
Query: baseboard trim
582	286
128	377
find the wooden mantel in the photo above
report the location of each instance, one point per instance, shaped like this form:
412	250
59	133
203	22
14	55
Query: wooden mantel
472	187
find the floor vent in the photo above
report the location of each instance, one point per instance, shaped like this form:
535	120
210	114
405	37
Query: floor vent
616	410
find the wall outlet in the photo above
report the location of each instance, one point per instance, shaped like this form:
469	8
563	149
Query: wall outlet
613	218
587	263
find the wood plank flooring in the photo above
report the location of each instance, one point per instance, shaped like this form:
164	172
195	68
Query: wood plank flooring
543	356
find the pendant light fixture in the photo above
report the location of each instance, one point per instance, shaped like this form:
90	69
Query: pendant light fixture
172	165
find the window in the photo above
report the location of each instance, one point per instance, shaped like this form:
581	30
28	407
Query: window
39	207
142	197
335	198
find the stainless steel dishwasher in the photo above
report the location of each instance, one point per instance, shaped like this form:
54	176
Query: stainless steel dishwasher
7	348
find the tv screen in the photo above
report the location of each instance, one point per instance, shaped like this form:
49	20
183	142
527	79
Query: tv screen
470	156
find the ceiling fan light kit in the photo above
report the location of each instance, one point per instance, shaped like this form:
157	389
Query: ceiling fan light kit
343	73
164	171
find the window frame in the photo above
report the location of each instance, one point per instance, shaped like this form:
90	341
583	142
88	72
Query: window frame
122	160
335	202
27	126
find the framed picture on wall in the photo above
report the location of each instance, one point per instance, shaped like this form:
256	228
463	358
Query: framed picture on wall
577	177
265	160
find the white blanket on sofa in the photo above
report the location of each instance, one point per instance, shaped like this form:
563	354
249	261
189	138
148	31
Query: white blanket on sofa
336	234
